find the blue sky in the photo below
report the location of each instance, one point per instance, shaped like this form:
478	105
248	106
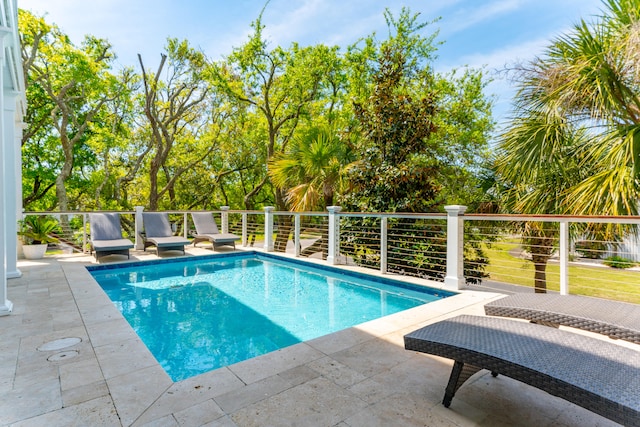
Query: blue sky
476	33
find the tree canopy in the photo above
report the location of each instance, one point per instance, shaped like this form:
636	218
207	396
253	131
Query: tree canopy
298	127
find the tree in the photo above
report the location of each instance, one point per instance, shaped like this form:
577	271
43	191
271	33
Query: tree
280	85
572	146
72	84
392	174
533	189
312	169
404	158
183	117
111	135
588	78
417	130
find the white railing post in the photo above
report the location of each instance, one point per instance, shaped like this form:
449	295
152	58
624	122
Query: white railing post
296	233
333	256
185	225
455	245
84	233
268	228
224	218
139	227
244	229
564	257
383	244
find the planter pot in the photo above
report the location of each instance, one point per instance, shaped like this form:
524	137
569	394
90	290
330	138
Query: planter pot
34	251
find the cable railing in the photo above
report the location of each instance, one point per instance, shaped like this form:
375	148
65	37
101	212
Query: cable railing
586	255
594	256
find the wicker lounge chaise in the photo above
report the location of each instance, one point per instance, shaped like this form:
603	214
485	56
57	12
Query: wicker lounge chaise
106	235
158	233
612	318
207	230
600	376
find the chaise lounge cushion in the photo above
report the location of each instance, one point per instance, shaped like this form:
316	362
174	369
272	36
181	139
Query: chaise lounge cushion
158	232
106	235
207	230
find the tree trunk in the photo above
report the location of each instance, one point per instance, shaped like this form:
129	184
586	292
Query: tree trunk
540	277
65	173
153	191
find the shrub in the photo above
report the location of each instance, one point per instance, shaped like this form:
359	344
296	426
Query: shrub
591	249
37	229
619	262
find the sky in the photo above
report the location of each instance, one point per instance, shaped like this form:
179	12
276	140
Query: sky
489	34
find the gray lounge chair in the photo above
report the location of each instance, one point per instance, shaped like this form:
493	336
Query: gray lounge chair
600	376
612	318
158	233
207	230
106	235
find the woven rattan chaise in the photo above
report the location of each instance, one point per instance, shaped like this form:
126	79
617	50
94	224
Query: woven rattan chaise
612	318
600	376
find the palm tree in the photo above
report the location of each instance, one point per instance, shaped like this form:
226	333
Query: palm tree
573	146
311	173
537	160
311	170
589	79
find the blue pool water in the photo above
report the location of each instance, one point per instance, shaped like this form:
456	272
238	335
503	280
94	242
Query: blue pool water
203	313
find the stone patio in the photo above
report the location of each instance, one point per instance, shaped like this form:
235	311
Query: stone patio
361	376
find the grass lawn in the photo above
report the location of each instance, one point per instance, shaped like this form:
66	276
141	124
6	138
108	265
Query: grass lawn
597	281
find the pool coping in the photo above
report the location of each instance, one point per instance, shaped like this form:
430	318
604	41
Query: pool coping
142	391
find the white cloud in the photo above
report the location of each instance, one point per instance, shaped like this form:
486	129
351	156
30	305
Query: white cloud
466	18
507	55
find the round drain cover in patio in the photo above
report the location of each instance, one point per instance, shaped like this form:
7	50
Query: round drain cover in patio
59	344
58	357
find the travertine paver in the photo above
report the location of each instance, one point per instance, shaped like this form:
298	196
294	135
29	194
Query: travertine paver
318	402
192	391
97	412
134	392
358	377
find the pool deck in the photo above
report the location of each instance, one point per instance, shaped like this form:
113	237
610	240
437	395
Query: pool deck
361	376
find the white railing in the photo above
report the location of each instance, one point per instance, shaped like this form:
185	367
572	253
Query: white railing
457	248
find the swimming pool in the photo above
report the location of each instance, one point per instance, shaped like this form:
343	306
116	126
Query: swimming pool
202	313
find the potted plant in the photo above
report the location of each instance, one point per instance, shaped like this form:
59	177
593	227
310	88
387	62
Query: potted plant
36	231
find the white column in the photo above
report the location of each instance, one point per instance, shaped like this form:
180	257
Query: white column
7	210
268	228
333	256
224	218
455	245
13	179
383	244
139	227
564	258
